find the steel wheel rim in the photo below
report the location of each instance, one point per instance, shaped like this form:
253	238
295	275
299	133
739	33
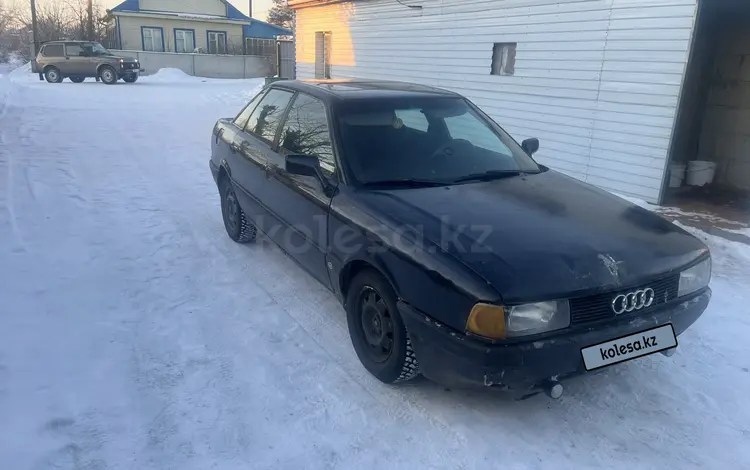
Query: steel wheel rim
376	324
52	75
107	75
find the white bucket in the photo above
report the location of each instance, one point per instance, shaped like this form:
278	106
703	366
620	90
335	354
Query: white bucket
700	172
676	174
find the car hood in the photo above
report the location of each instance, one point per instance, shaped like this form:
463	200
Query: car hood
541	236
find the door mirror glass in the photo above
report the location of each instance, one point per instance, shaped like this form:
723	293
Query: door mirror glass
303	165
530	146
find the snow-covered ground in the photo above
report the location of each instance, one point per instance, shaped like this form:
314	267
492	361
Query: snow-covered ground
134	334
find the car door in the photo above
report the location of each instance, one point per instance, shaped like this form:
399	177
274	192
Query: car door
249	147
75	60
299	204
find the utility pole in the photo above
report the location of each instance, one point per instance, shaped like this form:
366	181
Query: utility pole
250	8
34	28
90	24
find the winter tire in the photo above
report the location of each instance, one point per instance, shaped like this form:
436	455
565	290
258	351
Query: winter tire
130	79
235	222
108	75
378	334
77	79
53	75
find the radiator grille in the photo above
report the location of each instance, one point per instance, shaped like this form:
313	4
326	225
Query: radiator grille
599	307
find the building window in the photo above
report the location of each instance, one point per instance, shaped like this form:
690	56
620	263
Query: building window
184	40
153	39
217	42
322	54
504	58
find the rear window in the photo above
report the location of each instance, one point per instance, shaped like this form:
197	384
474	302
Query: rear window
53	50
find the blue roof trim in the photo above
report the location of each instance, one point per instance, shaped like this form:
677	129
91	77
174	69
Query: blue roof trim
133	6
128	5
234	14
263	30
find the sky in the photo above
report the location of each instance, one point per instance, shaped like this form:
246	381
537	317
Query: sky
260	7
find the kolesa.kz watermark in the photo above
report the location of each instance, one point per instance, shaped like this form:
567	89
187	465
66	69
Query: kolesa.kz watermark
623	349
632	346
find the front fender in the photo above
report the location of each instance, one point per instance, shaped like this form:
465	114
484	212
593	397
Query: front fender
421	273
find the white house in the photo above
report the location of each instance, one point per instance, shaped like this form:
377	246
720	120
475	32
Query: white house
213	26
614	89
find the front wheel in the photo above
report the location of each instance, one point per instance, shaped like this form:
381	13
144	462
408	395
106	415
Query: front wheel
378	334
108	75
130	78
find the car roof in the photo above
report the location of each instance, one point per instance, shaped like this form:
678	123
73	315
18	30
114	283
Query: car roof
343	90
64	41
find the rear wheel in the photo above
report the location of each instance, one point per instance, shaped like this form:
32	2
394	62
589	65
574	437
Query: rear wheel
108	75
53	75
130	78
77	79
378	334
236	224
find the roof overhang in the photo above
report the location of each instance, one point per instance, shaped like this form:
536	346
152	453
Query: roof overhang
297	4
179	16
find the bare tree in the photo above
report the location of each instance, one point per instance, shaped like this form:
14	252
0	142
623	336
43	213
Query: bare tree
281	14
67	19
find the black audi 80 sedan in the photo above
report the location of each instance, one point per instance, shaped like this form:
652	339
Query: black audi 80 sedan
454	253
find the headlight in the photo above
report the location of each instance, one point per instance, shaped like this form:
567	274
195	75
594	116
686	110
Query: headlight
495	322
695	278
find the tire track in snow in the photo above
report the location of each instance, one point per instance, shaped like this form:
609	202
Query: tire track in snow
6	85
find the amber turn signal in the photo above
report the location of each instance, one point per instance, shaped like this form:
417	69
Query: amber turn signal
487	320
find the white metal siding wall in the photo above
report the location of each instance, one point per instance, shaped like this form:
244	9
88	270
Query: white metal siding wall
596	80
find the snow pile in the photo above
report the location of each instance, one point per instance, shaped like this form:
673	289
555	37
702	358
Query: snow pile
172	75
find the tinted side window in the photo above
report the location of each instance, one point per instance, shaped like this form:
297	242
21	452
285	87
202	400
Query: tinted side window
264	120
306	131
73	50
242	118
53	50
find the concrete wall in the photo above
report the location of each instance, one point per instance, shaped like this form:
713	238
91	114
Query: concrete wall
205	65
725	136
206	7
130	32
597	81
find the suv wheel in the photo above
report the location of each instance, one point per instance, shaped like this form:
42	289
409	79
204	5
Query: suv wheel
53	75
108	75
238	227
77	79
378	334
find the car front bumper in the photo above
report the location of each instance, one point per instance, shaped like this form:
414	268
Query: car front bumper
453	358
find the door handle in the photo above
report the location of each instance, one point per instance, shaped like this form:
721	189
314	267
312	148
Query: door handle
234	147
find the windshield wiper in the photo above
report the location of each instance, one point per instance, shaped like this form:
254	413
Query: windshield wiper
407	183
490	175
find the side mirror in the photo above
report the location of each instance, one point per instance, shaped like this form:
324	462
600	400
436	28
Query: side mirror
308	165
530	146
303	165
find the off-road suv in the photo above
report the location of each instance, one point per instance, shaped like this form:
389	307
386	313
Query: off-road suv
78	60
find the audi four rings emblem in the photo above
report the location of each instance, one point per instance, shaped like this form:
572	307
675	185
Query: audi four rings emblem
633	301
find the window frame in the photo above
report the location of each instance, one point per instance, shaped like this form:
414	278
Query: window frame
273	144
262	94
208	41
331	130
184	30
143	38
503	65
47	46
71	44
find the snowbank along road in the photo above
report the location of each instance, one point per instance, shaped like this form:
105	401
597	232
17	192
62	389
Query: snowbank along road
134	334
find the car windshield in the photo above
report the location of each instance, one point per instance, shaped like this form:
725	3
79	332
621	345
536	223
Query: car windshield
94	48
428	140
